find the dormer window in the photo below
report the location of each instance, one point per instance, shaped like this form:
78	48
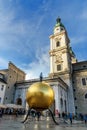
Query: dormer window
57	44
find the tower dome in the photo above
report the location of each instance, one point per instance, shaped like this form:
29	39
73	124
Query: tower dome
59	26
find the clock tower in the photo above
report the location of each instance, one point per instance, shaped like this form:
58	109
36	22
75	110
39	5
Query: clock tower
61	59
59	50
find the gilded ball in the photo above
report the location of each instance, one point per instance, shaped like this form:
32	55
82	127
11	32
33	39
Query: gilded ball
40	96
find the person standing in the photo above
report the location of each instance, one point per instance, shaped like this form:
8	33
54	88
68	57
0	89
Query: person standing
38	115
0	112
85	118
70	117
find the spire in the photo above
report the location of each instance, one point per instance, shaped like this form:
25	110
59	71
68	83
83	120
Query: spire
58	20
59	23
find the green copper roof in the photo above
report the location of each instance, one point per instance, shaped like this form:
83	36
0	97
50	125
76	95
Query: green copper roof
59	23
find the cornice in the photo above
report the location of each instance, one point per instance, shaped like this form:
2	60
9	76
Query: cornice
57	34
62	49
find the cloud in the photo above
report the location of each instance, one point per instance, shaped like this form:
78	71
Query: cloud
41	64
24	31
19	34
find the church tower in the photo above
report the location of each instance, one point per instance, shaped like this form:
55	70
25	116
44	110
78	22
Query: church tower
59	54
61	58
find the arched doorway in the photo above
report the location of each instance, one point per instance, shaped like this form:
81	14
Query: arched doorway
19	101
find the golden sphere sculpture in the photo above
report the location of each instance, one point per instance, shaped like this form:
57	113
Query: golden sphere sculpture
40	96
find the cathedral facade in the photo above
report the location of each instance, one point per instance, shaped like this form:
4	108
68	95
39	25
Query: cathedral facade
67	76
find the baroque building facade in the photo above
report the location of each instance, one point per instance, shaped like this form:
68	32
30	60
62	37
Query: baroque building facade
2	88
60	88
67	77
80	86
11	76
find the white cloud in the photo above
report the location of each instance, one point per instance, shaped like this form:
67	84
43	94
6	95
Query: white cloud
34	68
18	34
26	34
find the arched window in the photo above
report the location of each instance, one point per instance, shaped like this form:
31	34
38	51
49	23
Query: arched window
19	101
86	95
57	43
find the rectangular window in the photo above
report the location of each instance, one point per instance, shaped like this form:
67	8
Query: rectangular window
57	43
75	107
58	67
83	81
2	87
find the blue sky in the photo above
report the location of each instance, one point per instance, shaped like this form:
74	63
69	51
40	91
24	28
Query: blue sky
25	27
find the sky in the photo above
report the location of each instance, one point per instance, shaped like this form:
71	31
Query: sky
25	27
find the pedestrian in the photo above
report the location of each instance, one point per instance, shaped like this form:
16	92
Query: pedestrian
70	117
16	113
85	118
59	115
63	115
38	115
33	113
0	112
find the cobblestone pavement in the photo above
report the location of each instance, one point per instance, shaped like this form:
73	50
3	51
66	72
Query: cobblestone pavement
14	123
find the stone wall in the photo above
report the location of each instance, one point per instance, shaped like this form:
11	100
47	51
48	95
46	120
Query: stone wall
80	90
13	75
